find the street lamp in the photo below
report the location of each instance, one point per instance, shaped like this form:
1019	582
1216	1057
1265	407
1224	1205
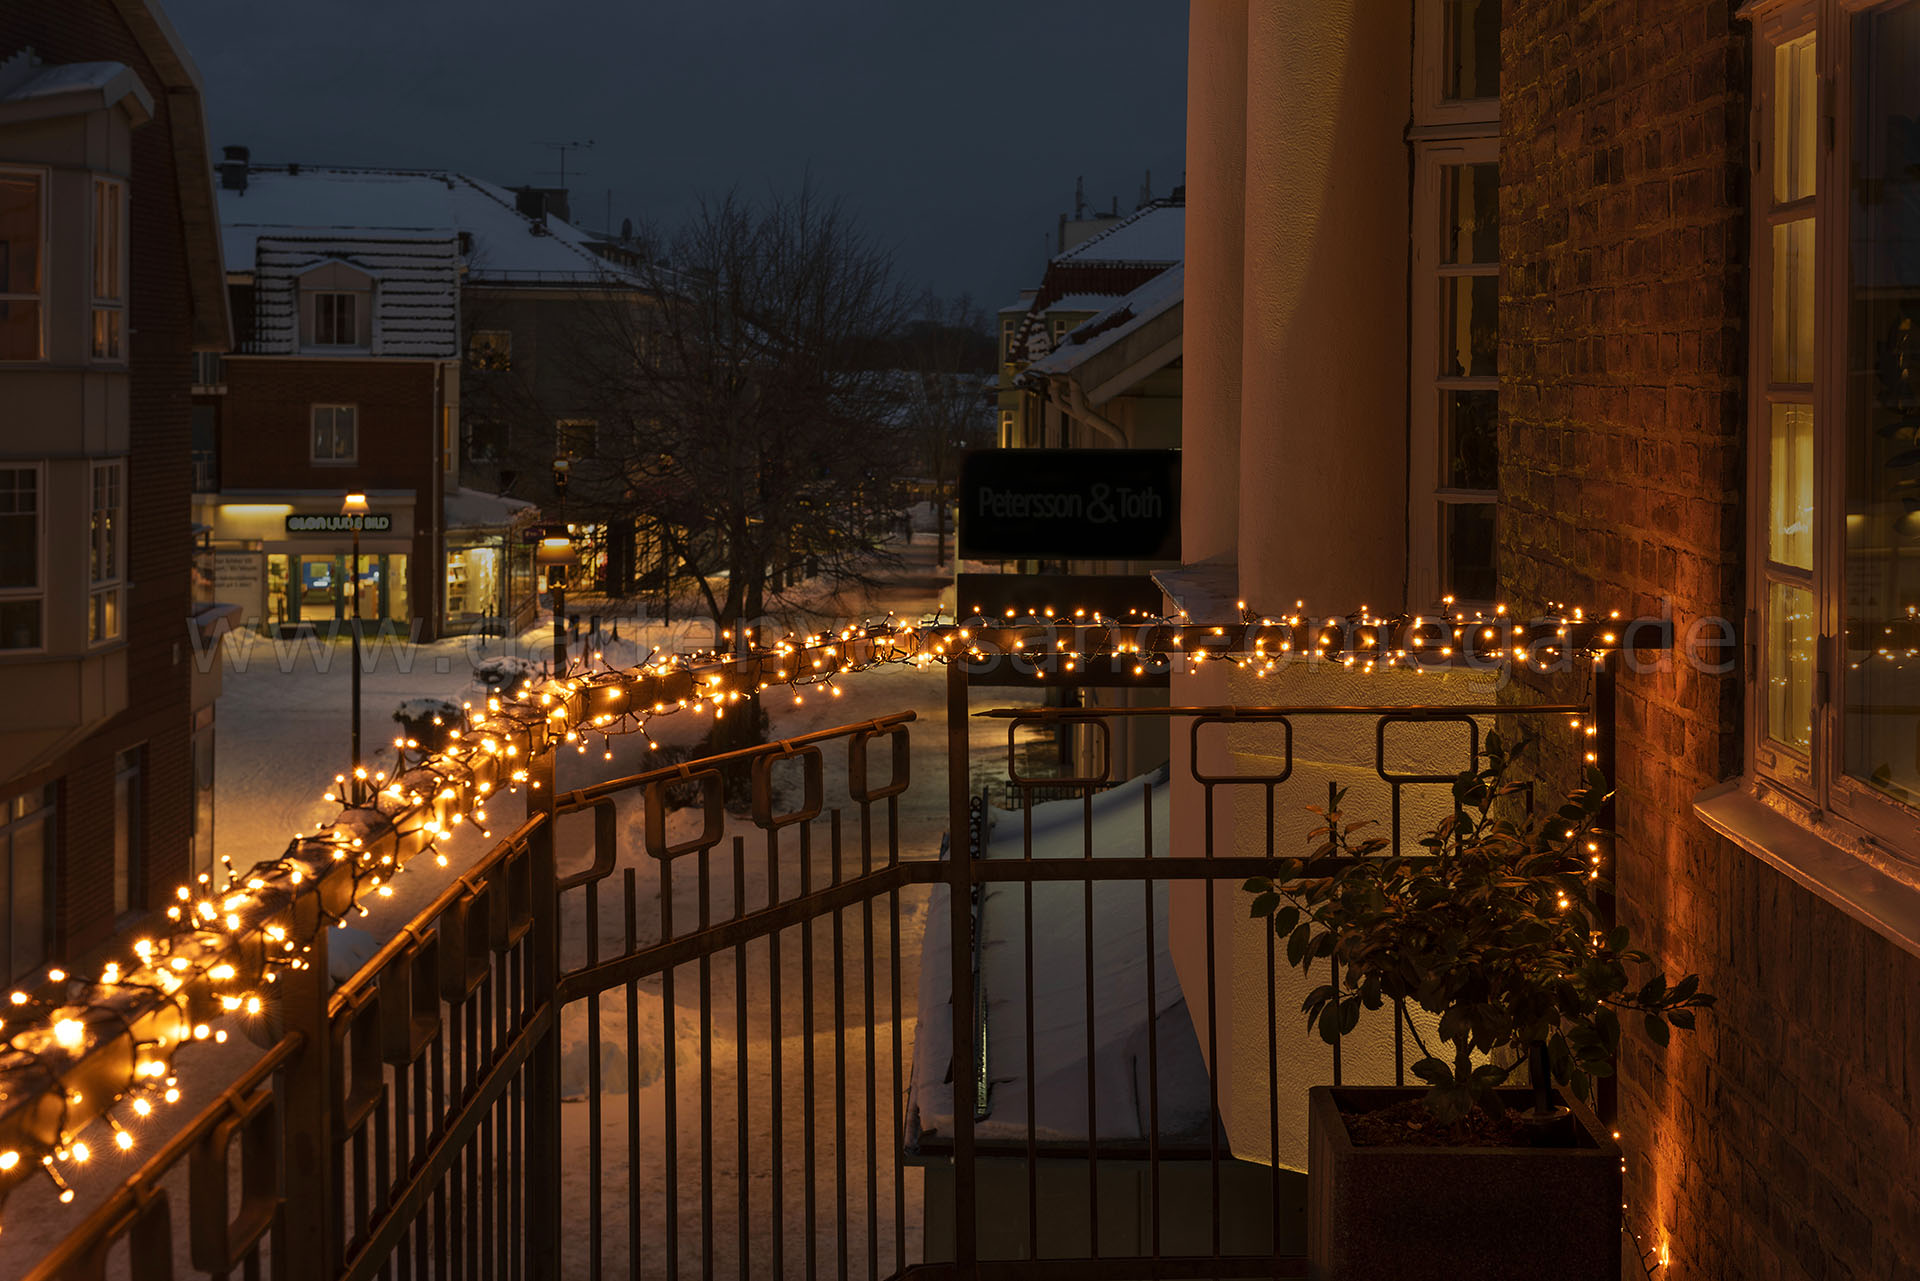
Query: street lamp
354	508
556	553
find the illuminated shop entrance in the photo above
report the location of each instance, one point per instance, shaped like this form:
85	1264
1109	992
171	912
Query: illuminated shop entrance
316	589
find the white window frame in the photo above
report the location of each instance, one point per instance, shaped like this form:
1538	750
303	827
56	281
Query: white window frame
1811	787
38	591
1445	132
43	177
108	213
353	454
107	594
320	297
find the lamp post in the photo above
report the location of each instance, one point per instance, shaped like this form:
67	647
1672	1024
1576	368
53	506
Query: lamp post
354	508
556	553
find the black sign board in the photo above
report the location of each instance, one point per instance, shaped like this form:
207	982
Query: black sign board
340	523
1070	504
533	534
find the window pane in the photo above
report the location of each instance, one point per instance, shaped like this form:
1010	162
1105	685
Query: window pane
1790	496
1473	306
27	901
19	624
1793	302
1471	573
1473	49
19	234
1881	727
1470	423
19	327
1470	196
19	527
1796	91
1790	665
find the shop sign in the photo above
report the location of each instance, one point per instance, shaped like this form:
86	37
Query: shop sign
340	523
1073	504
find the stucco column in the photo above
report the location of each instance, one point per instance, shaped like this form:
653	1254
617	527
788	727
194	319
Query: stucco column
1324	357
1216	203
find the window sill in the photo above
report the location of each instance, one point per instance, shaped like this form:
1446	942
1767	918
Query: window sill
1823	861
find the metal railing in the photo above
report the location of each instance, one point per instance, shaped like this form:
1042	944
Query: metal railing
699	1062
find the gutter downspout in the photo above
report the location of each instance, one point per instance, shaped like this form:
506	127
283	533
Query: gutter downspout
1077	398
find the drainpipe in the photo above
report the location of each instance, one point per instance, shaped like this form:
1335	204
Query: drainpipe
1077	398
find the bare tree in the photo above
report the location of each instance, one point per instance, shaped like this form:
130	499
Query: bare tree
744	427
947	351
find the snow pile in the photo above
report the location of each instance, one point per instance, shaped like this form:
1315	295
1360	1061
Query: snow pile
1064	1096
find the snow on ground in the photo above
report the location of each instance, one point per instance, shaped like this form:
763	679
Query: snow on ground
281	741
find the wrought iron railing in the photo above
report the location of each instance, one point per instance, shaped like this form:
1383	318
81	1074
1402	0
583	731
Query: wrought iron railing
700	1061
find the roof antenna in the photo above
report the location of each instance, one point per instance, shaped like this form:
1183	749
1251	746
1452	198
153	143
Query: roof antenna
1146	191
1080	198
563	148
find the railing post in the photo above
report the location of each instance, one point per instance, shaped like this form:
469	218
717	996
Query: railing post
306	1116
960	960
541	1169
1605	759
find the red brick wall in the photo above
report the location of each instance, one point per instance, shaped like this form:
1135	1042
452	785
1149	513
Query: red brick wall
159	520
265	441
1779	1141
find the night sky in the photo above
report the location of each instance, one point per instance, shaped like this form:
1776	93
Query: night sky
954	130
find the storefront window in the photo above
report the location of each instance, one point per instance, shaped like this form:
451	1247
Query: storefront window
317	589
475	569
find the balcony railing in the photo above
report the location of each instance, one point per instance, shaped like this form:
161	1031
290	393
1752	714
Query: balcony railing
726	1052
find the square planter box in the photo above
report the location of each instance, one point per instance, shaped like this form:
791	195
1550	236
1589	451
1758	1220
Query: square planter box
1428	1213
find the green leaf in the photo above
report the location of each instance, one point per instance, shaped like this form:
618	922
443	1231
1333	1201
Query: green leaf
1657	1029
1263	904
1433	1071
1256	884
1285	919
1297	945
1681	1019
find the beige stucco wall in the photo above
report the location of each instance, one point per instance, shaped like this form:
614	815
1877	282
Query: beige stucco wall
1295	462
1322	455
1216	172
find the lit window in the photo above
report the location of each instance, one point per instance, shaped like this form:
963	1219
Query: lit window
486	439
491	349
1835	509
106	552
577	437
20	529
109	270
335	433
22	216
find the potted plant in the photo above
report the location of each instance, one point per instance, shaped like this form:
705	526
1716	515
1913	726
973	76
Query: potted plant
1492	928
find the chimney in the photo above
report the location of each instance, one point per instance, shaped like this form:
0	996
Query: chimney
531	202
233	169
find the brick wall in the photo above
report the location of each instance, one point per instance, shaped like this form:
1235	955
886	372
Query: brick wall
1778	1141
265	443
159	521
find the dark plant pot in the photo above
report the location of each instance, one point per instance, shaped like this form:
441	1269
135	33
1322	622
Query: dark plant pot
1433	1213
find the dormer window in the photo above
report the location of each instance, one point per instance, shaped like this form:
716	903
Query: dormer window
336	308
335	321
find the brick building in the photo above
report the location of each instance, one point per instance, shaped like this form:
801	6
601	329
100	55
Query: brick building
1615	303
111	281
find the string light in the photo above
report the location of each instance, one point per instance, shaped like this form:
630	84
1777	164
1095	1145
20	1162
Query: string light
228	933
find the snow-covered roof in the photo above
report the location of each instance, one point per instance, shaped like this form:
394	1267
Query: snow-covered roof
1115	322
476	509
1058	967
416	308
505	244
1081	302
1155	233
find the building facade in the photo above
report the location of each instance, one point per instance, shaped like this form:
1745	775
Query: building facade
1613	305
110	281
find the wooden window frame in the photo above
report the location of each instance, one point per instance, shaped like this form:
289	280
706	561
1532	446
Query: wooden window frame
38	591
107	319
43	180
1811	787
353	457
107	594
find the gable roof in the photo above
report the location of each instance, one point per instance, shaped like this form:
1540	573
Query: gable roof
503	245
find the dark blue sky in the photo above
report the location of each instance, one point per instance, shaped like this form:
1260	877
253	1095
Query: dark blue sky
954	130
